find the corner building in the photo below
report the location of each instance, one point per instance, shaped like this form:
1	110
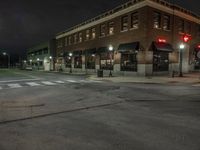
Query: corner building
140	37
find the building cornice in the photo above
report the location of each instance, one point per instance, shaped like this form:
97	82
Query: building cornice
141	3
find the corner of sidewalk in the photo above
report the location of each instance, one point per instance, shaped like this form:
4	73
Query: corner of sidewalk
187	79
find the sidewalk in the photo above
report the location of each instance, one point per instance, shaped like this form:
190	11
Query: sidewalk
191	78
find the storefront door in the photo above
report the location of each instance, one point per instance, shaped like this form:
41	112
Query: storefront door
160	61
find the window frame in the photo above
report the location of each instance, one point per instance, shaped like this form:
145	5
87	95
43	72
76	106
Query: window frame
135	20
124	23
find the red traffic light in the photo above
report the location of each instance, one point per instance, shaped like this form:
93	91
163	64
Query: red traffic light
186	38
160	40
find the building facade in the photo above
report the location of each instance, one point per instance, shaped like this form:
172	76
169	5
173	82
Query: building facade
140	37
42	56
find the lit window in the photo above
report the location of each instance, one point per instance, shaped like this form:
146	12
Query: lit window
124	26
134	21
75	38
181	26
157	20
66	41
111	28
166	22
93	33
87	36
106	61
80	37
70	40
103	30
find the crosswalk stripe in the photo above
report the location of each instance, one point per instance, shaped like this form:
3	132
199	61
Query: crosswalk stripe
72	81
14	85
48	83
33	84
0	88
196	85
61	82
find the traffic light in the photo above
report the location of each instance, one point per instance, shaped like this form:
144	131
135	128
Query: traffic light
186	38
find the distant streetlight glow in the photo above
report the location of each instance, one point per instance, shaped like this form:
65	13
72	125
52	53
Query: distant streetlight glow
182	46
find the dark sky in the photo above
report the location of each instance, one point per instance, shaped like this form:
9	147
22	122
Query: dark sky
24	23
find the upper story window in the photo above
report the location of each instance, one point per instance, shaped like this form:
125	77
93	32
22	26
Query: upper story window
75	38
124	23
80	37
166	22
111	28
181	26
59	43
66	41
157	20
135	21
93	33
188	27
87	35
70	40
102	30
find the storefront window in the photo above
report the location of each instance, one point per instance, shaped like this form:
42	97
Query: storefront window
106	61
160	61
68	62
90	61
78	61
129	62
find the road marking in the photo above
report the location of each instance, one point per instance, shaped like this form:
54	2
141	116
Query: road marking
8	81
48	83
0	88
61	82
196	85
14	85
33	84
72	81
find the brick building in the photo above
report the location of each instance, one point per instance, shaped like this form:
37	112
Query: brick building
140	37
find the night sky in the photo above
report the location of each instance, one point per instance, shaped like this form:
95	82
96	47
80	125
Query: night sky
25	23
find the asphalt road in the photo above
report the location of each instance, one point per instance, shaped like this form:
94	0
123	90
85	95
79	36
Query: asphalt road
52	111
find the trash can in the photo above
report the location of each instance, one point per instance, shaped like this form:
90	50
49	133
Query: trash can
100	73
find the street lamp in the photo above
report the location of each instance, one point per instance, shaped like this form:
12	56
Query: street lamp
38	59
50	58
110	48
182	47
70	56
6	54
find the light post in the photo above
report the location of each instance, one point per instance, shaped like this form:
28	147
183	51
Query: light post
50	61
182	46
38	61
6	54
31	62
70	56
110	48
